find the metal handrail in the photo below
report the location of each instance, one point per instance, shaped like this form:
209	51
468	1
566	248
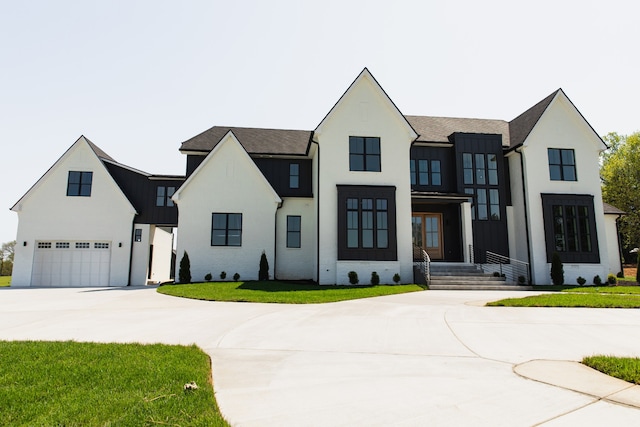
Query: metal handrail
426	260
511	269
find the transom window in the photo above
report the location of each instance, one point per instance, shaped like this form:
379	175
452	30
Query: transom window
163	195
226	229
425	172
562	164
62	245
79	183
294	175
44	245
364	153
83	245
293	231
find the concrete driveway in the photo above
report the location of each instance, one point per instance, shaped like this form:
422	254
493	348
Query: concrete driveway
428	358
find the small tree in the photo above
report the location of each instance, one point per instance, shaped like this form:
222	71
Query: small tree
557	270
223	275
263	273
375	279
396	278
597	280
353	277
236	277
581	280
184	274
208	277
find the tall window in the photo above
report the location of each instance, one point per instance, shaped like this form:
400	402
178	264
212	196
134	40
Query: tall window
79	183
293	231
163	195
562	164
226	229
481	171
570	227
367	223
425	172
294	175
364	153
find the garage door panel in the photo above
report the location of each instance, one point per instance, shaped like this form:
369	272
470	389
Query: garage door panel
70	263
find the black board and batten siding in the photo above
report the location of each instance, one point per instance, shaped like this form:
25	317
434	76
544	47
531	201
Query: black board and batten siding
490	234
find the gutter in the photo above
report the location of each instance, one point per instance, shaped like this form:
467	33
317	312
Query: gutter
275	239
133	226
318	217
526	210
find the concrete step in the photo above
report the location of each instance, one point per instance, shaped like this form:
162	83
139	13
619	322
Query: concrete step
476	286
456	277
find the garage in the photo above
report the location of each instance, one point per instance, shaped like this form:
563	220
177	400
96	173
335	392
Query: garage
66	263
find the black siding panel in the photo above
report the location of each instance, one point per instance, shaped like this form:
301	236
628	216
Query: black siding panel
277	173
141	192
193	161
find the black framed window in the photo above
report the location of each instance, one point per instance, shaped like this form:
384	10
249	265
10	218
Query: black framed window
364	153
79	183
494	204
366	223
163	195
226	229
137	235
425	172
480	170
294	223
570	228
467	168
562	164
294	175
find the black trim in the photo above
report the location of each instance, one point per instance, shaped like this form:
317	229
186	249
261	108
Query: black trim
388	193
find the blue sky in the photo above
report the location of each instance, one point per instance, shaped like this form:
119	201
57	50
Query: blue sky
140	77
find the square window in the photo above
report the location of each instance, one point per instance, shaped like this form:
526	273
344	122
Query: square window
562	164
364	154
226	229
79	183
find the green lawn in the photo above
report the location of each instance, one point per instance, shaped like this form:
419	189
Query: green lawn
280	292
625	368
74	384
593	297
5	280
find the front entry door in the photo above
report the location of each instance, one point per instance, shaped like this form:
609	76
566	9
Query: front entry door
427	233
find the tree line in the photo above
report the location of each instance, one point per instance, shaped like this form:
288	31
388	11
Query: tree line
6	258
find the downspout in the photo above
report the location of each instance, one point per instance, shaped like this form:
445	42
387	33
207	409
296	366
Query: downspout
526	215
318	216
133	225
620	254
275	239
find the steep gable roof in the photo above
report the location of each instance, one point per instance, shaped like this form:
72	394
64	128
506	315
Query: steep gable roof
254	140
100	155
612	210
228	138
366	74
438	129
521	126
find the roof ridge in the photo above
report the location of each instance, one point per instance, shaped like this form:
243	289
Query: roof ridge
523	124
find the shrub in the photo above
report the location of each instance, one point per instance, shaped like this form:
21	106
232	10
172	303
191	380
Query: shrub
597	280
581	280
522	280
353	277
263	273
637	275
223	275
184	273
496	274
396	278
620	275
208	277
557	270
611	279
375	279
236	277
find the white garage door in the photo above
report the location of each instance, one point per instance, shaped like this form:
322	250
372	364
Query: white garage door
71	263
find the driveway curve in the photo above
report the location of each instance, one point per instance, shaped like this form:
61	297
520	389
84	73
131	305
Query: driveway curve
426	358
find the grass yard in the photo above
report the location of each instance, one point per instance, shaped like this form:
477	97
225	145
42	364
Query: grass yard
5	281
280	292
592	297
70	383
624	368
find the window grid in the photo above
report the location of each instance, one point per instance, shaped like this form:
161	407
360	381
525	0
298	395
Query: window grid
481	171
294	175
226	229
562	164
100	245
367	223
79	183
571	232
44	245
364	154
62	245
163	196
293	231
83	245
425	172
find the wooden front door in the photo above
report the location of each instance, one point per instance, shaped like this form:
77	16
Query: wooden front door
427	233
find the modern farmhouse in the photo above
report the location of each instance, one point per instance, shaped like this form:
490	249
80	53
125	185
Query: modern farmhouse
369	189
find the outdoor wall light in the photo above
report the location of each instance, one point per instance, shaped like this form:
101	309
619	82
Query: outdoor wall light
24	243
120	244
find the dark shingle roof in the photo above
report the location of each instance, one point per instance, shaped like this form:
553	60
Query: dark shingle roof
438	129
101	154
254	140
521	126
610	209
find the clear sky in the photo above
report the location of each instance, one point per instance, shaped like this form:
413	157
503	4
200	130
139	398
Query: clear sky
139	77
